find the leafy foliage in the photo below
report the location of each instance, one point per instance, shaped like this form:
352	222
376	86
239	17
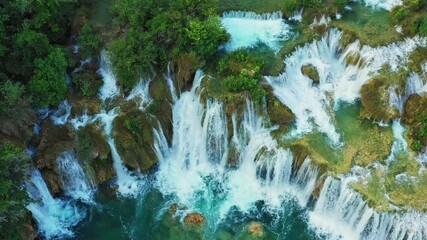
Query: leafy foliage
10	96
88	41
157	31
48	85
14	169
242	73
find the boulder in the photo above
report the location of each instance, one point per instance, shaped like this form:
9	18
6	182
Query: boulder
134	138
256	229
194	219
310	71
18	128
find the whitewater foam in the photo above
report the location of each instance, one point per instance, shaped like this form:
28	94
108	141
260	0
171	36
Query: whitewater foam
268	28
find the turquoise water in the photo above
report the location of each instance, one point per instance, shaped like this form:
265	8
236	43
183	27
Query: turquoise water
148	217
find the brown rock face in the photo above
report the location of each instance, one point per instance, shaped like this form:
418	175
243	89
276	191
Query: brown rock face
194	219
256	229
134	138
18	128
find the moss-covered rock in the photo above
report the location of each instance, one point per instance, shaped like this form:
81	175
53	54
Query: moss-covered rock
93	151
415	117
310	71
18	127
194	219
416	59
134	138
54	140
375	100
161	106
414	108
256	230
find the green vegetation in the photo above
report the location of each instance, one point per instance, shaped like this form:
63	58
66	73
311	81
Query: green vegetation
373	28
415	116
168	31
412	17
48	85
241	72
375	95
89	41
402	182
11	94
14	170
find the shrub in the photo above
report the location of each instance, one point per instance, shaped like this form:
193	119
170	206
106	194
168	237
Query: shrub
48	85
89	41
10	95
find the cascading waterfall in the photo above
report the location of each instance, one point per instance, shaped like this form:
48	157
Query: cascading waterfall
54	217
349	216
61	115
312	103
140	94
75	182
196	172
127	183
109	90
414	84
268	28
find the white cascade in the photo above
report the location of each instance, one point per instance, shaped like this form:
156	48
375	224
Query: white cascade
341	213
384	4
109	90
74	181
189	169
314	104
413	85
267	28
61	115
141	94
128	184
54	217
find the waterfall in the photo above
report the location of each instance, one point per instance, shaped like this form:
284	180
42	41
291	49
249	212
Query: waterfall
170	82
141	94
414	84
297	15
109	90
267	28
349	216
61	115
312	103
196	172
385	4
128	184
54	217
75	182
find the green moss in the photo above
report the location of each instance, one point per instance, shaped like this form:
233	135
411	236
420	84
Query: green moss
416	59
133	134
374	192
372	27
375	95
415	117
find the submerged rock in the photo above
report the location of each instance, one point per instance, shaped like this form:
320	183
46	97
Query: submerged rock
256	229
194	219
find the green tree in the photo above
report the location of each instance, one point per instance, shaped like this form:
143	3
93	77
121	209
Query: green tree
206	36
89	41
423	27
14	170
132	56
10	95
48	85
29	45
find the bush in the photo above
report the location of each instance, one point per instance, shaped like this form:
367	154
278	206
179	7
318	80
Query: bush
14	170
423	27
399	14
10	96
89	41
48	85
